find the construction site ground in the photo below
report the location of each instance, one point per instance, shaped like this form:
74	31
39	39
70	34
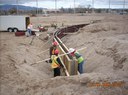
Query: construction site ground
106	58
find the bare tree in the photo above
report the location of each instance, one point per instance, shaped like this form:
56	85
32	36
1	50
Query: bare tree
13	10
88	7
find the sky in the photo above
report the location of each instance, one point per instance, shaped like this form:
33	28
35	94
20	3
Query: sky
51	4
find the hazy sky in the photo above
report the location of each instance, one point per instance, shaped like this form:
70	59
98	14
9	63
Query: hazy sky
69	3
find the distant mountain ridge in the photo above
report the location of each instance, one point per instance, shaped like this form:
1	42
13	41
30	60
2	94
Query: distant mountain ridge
20	7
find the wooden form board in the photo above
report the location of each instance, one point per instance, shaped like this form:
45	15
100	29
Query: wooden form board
70	64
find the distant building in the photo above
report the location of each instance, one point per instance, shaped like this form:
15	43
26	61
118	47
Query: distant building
53	11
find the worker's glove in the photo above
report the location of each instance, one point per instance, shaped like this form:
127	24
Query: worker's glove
62	66
50	61
46	61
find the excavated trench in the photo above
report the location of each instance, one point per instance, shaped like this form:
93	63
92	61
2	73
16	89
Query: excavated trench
69	62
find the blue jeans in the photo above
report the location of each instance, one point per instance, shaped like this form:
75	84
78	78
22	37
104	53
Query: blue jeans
29	31
80	67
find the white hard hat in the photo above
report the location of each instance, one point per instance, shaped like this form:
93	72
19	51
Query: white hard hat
71	50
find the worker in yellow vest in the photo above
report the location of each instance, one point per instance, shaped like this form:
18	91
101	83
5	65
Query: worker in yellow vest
56	63
79	58
53	48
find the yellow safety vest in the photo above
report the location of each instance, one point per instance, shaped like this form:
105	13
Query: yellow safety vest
53	51
80	59
54	64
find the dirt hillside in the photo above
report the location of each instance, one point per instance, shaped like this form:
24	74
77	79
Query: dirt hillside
105	70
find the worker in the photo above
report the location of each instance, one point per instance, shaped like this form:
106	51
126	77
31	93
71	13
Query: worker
29	29
48	36
56	63
79	58
53	48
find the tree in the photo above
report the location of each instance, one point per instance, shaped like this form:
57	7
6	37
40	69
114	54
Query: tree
88	7
62	9
13	10
81	9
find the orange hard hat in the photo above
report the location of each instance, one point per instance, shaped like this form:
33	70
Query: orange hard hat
55	43
56	51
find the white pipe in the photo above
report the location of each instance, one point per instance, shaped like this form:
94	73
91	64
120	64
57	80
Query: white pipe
59	55
43	51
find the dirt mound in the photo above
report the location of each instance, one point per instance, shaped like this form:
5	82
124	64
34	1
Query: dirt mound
98	27
107	44
108	24
17	55
104	40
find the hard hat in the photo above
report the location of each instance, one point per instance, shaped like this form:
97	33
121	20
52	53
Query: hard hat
55	43
71	50
56	51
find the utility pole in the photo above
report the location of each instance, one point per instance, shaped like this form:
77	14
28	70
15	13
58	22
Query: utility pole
92	6
56	6
123	6
37	7
74	7
17	7
109	6
56	12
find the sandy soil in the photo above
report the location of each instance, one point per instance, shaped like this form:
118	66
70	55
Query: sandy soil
106	58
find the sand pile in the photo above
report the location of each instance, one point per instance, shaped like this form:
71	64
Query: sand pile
17	55
106	43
